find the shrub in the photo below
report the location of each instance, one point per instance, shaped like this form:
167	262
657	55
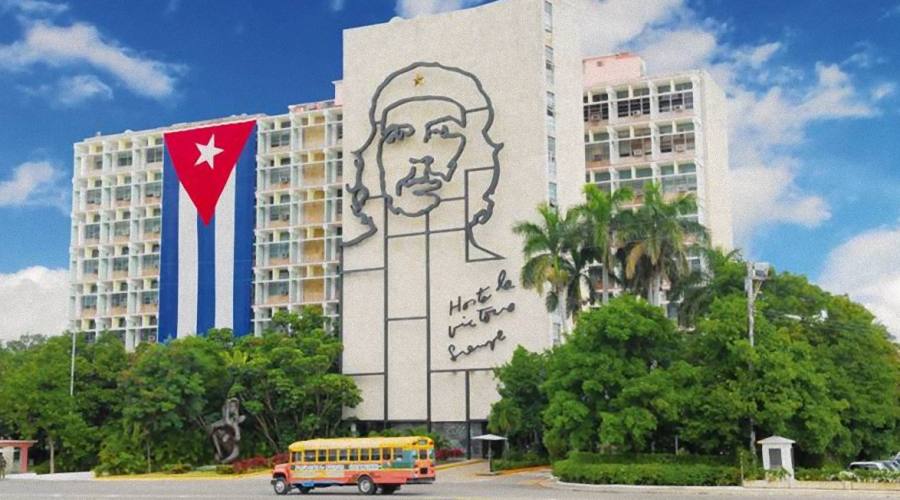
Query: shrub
443	454
647	473
224	469
520	460
177	468
249	464
823	474
649	458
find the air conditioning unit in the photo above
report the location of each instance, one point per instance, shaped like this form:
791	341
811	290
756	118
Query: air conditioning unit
637	152
636	112
679	148
595	117
678	107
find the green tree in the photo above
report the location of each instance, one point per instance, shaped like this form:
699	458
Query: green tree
611	351
517	414
289	384
547	248
601	215
36	404
656	239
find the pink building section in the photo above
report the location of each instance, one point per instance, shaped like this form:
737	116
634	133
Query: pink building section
618	68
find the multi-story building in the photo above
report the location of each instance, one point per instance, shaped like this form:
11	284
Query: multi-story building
116	222
669	129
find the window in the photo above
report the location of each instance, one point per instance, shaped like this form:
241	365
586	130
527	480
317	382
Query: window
332	455
279	251
92	232
154	155
342	455
687	168
364	454
354	455
150	262
398	453
279	139
321	456
123	193
120	264
295	457
385	453
119	300
151	226
89	302
551	155
548	63
551	104
153	190
552	194
124	160
376	454
309	456
279	289
149	298
423	454
90	267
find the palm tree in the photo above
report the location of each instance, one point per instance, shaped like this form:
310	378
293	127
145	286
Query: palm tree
548	259
600	212
721	275
657	239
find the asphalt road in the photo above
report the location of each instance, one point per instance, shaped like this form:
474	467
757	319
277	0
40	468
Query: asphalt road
455	484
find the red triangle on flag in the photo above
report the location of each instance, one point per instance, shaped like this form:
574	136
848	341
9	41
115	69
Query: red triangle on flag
204	158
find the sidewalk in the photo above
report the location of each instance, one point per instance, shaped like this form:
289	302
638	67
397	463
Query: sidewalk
553	483
61	476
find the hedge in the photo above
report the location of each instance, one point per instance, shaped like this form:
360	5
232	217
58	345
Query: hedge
573	471
649	458
520	461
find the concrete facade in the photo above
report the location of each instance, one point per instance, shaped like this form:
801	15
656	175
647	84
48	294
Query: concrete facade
447	157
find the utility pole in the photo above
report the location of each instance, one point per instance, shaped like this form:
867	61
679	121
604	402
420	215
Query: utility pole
757	272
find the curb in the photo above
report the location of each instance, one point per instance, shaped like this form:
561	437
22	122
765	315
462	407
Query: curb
459	464
183	477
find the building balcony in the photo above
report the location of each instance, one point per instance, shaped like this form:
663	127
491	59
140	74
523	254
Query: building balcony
277	299
118	311
149	308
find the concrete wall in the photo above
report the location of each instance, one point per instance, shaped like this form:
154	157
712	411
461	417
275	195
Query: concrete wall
714	116
400	294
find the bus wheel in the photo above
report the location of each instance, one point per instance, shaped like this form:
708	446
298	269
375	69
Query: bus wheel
366	485
389	490
281	486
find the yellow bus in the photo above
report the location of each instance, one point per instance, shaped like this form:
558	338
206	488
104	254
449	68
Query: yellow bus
372	464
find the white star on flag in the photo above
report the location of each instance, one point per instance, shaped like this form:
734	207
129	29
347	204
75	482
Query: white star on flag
208	152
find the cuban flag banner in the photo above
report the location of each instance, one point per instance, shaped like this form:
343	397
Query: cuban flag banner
206	268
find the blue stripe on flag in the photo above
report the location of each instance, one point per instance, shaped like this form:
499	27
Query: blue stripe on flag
206	275
244	207
168	261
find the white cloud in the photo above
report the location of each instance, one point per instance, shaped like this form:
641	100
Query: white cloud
35	301
415	8
34	184
34	7
79	44
768	195
883	90
336	5
610	25
867	267
72	90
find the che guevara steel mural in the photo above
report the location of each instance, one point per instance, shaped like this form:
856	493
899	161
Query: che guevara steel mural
417	144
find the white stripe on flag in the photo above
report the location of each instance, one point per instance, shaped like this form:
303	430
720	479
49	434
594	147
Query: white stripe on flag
225	255
187	264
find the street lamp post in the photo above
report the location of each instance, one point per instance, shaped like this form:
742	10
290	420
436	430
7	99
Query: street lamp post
72	369
757	272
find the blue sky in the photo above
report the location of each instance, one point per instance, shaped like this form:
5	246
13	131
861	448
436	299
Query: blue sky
813	102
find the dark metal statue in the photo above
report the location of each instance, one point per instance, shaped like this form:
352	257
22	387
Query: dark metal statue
225	433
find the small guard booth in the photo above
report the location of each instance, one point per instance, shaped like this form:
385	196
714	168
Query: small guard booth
15	451
778	453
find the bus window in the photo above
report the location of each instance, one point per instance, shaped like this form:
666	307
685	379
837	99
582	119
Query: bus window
332	455
376	454
354	455
398	454
321	455
342	455
309	456
364	454
385	453
295	457
423	454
